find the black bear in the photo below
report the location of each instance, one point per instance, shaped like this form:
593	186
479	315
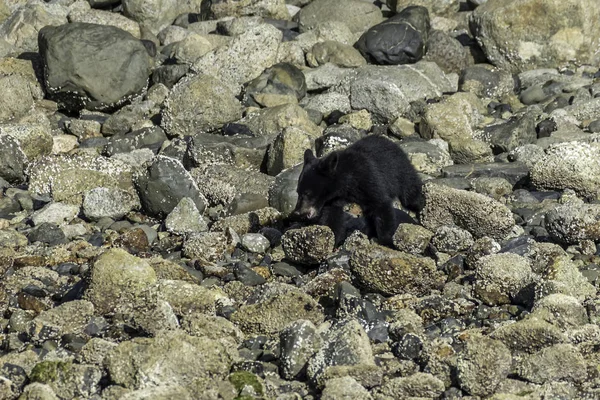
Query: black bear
371	172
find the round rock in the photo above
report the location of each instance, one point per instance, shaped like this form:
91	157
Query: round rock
84	65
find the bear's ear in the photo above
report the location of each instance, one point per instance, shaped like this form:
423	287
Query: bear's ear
330	163
308	156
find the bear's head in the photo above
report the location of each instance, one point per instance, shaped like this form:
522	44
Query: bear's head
316	185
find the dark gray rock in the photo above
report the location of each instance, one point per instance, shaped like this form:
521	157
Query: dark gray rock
164	184
145	138
280	79
47	233
282	193
169	74
402	39
516	132
298	342
247	276
92	66
12	160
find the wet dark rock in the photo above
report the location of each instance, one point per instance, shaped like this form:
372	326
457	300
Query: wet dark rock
146	138
48	233
401	39
83	65
247	276
164	184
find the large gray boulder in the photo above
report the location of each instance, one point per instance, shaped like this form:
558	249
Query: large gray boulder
527	34
164	184
477	213
571	165
92	66
357	15
199	104
386	91
244	59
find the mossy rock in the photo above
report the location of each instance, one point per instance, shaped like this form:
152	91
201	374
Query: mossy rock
48	371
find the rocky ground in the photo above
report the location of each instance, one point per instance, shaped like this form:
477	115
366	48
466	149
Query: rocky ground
149	154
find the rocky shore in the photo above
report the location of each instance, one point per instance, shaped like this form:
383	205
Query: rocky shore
149	156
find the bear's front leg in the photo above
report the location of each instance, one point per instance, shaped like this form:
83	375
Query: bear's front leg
383	217
334	217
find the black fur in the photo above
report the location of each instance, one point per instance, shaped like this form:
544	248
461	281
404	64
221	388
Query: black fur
371	172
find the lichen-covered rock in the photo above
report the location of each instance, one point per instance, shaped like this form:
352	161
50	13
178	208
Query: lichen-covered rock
417	385
561	310
213	98
485	80
249	222
357	15
35	139
67	177
573	222
451	239
561	275
102	202
274	311
117	276
412	238
308	245
529	335
228	184
427	157
564	33
22	27
501	277
102	17
482	365
336	53
288	149
275	9
474	212
55	213
207	247
392	272
344	388
17	100
170	358
244	59
12	159
572	165
217	328
67	379
273	120
298	342
453	118
68	318
282	79
185	218
282	192
561	362
345	344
